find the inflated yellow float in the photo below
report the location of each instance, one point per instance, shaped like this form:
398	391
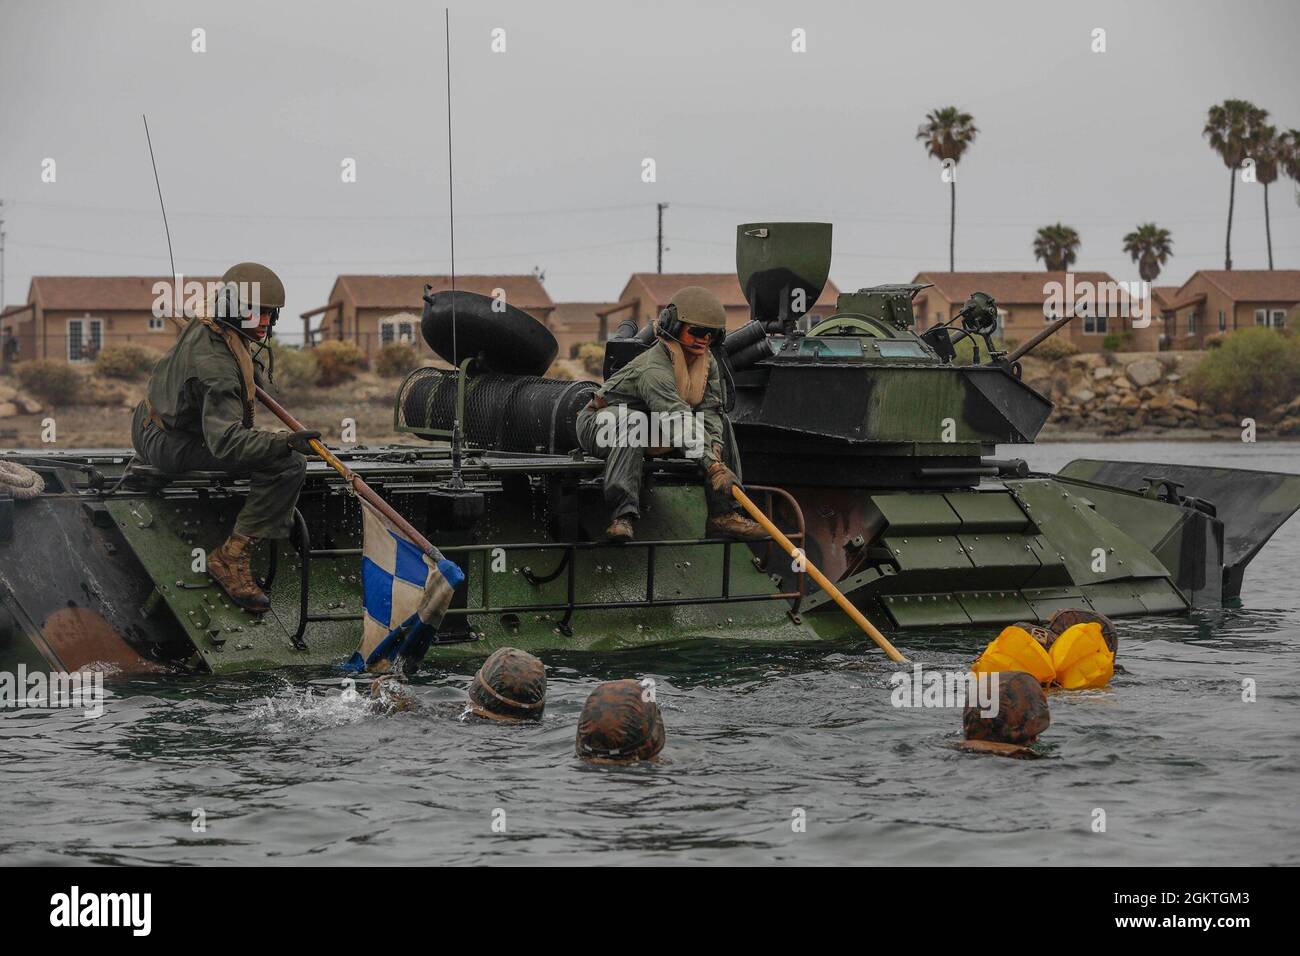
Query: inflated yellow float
1078	659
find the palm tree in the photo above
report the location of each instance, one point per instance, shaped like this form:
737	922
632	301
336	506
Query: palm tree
1150	247
1267	150
1057	246
1231	129
1289	157
947	133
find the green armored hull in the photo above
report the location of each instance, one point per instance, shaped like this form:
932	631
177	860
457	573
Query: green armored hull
124	588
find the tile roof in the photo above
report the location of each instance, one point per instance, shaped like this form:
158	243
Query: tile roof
407	291
1007	288
663	286
1254	285
101	293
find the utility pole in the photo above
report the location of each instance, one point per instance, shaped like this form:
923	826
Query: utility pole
2	255
662	206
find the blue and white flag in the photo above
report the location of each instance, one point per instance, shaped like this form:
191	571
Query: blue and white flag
406	594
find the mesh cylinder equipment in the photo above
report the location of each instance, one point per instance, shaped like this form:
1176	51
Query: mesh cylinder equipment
523	413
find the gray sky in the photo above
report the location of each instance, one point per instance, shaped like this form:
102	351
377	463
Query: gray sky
550	135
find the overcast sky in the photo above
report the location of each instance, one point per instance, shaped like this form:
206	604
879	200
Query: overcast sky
550	135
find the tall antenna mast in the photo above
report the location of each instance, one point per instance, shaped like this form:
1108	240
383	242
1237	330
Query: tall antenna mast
451	198
161	204
455	482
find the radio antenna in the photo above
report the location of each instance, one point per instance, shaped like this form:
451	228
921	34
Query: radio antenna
455	482
154	163
451	198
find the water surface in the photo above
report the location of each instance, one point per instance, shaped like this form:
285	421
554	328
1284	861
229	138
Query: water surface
284	769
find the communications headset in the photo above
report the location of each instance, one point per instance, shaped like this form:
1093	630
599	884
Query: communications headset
228	312
669	325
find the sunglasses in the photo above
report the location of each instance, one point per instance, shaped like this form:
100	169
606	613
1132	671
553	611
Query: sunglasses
699	332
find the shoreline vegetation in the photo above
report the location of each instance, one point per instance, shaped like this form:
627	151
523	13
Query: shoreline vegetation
1098	396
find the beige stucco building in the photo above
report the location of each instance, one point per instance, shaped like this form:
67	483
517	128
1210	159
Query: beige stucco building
647	293
73	317
373	310
1218	301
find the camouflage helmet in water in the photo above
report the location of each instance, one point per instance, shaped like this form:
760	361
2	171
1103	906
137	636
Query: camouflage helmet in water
619	724
511	685
1066	618
1022	712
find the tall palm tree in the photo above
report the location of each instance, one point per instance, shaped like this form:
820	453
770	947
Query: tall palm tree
1267	150
1057	246
1289	157
1231	129
947	133
1150	247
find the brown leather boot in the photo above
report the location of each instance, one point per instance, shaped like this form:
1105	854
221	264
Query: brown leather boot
620	530
231	567
734	525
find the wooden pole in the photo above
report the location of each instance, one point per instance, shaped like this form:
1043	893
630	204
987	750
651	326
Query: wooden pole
823	582
358	486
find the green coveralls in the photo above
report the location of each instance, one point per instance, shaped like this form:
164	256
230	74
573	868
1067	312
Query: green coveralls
196	390
647	384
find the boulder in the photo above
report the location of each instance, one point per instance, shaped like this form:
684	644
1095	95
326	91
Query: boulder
1102	372
7	393
28	406
1082	396
8	409
1144	372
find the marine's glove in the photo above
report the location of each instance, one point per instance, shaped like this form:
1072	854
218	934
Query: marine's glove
300	441
721	478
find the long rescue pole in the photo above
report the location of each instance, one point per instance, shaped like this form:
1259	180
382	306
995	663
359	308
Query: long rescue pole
824	582
358	486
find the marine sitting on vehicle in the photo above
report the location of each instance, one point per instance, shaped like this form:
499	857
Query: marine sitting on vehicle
676	380
198	416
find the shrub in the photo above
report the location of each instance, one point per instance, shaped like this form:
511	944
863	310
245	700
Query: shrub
129	362
1251	372
295	369
1055	349
577	347
1116	341
338	362
592	357
560	371
394	359
51	380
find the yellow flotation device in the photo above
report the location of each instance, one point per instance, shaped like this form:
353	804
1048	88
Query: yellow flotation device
1079	658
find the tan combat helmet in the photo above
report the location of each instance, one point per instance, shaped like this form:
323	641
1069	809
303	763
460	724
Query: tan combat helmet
698	306
257	286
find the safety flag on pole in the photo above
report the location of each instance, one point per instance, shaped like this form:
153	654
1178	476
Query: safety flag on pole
406	595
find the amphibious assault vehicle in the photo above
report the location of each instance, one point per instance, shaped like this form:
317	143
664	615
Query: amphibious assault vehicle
869	443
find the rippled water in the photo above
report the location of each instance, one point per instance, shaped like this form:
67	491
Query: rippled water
284	769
